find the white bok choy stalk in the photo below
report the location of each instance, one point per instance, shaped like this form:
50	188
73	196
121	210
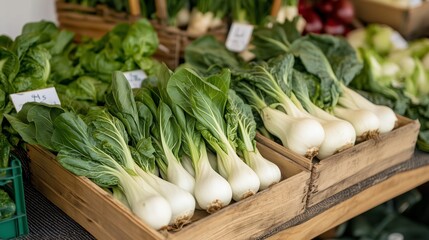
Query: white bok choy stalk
212	191
273	79
339	134
314	53
137	119
168	141
205	100
119	195
353	100
182	203
202	17
166	135
99	151
297	134
268	172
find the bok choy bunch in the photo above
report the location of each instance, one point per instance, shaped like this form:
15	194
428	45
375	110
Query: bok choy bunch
95	148
273	79
267	171
167	137
212	191
137	119
205	99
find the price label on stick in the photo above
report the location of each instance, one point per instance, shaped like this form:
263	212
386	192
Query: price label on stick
135	78
239	37
47	95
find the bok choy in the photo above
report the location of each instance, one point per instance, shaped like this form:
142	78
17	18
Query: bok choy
267	171
212	191
205	100
95	148
137	120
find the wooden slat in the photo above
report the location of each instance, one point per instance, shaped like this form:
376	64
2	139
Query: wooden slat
75	16
370	170
304	162
85	25
253	216
61	5
355	164
134	7
367	199
372	152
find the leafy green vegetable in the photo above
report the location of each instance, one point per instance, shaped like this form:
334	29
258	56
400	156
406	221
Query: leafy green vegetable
205	100
5	41
316	63
35	123
250	11
340	54
7	206
271	42
4	153
136	117
206	53
34	70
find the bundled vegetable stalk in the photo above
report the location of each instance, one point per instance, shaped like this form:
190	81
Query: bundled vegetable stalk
95	147
334	63
206	99
309	82
206	14
138	121
211	191
250	11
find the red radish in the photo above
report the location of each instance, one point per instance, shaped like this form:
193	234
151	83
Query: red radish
344	11
304	6
314	23
333	27
325	6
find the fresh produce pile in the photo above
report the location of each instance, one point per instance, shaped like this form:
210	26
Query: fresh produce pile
199	16
123	144
395	73
333	17
301	80
44	56
146	7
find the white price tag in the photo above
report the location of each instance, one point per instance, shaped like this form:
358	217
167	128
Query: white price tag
47	95
239	37
398	41
135	78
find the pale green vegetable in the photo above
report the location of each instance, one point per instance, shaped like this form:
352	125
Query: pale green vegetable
268	172
205	100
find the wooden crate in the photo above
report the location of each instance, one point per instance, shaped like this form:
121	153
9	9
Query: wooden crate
106	218
92	22
342	170
410	22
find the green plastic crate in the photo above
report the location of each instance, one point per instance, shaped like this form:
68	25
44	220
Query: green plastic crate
11	182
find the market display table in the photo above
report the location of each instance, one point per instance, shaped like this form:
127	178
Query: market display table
46	221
